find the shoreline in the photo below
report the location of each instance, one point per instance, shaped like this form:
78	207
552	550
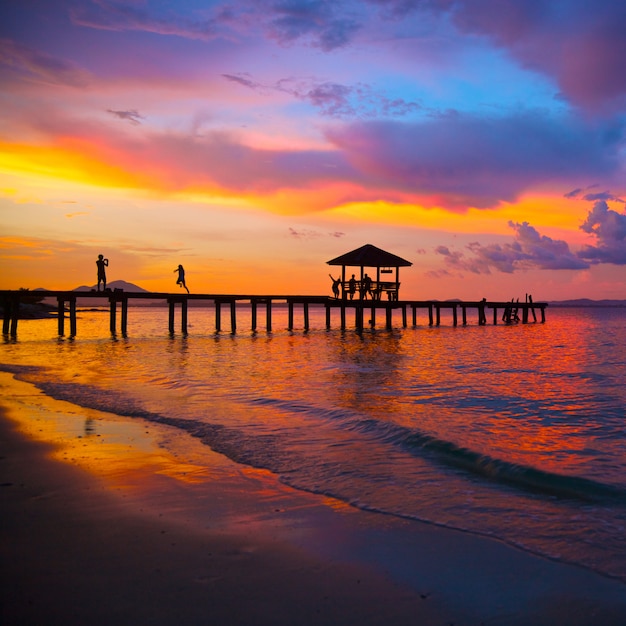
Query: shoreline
111	520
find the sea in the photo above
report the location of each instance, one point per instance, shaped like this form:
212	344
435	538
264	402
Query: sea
516	432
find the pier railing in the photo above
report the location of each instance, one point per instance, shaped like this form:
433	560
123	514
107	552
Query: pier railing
117	300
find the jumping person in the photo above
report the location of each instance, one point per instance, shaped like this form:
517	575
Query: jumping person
181	277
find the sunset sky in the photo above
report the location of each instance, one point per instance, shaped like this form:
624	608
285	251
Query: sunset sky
254	140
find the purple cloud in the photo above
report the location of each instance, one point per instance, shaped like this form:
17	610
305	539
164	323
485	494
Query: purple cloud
465	160
333	99
529	250
134	117
581	45
609	228
320	21
125	16
29	64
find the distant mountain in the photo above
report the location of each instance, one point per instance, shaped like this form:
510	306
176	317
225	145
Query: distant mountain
116	284
583	302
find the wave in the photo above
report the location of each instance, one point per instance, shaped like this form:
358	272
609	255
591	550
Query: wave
269	452
515	474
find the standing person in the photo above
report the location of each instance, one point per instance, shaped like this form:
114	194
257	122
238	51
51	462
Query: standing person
352	286
336	283
367	286
101	263
181	277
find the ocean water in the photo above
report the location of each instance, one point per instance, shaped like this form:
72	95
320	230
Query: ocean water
515	432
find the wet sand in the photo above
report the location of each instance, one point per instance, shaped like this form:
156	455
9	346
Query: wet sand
102	524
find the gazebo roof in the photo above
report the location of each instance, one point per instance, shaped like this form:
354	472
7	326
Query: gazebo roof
369	256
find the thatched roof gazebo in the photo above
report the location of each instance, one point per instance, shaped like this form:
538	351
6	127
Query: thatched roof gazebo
370	256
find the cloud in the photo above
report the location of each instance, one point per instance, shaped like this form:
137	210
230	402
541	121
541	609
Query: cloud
580	44
609	228
333	99
125	16
307	233
319	21
529	250
25	63
132	116
469	160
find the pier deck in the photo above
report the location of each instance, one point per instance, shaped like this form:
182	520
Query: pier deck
67	302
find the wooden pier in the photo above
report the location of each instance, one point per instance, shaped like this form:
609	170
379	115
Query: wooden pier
67	302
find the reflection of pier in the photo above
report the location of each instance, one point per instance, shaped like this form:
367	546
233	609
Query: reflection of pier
367	312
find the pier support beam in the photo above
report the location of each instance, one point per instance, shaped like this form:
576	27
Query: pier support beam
233	317
253	306
430	314
172	313
218	316
268	316
454	316
11	315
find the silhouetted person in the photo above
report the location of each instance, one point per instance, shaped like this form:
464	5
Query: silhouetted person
181	277
336	283
352	287
367	286
101	263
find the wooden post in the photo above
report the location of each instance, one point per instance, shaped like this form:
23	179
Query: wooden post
170	325
495	315
73	317
373	318
543	314
525	315
113	315
61	315
403	316
233	317
218	316
268	314
464	313
389	318
253	313
183	316
290	321
15	314
438	312
430	314
124	316
306	316
454	315
327	316
414	314
7	303
358	316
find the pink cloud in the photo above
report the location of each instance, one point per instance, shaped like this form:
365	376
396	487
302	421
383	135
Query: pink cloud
580	44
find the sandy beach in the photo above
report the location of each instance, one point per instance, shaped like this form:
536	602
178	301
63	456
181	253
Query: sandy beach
102	524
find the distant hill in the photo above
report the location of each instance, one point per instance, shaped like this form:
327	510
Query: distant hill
116	284
583	302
